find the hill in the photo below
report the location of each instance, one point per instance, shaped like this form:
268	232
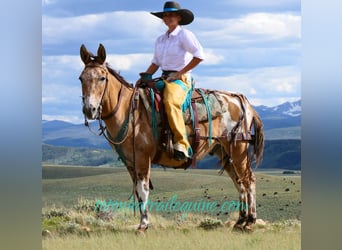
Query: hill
283	133
281	154
284	154
79	156
70	195
63	186
59	133
74	144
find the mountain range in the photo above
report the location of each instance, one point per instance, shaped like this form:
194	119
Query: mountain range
280	122
284	115
73	144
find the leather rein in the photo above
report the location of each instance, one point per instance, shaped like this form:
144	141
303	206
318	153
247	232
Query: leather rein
103	129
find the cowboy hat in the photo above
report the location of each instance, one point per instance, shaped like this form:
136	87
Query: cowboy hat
187	15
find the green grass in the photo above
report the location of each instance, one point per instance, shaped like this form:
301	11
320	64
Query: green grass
66	185
70	194
223	238
82	228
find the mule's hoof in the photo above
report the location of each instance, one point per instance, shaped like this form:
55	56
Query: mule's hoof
140	232
142	228
238	228
248	228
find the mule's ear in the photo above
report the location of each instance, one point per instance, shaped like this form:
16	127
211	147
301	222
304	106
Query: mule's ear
101	54
85	56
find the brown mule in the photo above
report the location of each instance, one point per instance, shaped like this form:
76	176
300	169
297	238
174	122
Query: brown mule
107	96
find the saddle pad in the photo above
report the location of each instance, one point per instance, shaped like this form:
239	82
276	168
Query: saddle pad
214	101
216	106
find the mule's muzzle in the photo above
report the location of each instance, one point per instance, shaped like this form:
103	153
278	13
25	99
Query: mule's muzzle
91	112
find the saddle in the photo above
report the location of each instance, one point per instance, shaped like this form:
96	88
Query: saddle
203	106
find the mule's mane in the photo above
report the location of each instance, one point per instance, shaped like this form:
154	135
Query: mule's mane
118	76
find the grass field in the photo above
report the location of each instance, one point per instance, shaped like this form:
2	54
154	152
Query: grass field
69	195
282	238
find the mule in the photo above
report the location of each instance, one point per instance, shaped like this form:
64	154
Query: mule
107	97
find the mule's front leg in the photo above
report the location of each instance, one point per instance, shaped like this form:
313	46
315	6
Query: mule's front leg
142	194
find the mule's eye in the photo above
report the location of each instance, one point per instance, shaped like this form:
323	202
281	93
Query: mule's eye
102	78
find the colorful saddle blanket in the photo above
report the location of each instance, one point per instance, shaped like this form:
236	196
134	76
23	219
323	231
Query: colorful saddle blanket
209	105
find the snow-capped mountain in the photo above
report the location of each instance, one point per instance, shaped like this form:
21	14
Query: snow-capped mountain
288	108
284	115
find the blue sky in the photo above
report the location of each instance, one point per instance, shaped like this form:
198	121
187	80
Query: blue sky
252	47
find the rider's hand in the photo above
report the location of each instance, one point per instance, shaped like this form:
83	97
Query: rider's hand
144	77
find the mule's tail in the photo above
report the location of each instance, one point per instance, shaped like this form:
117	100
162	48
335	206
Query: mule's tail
259	137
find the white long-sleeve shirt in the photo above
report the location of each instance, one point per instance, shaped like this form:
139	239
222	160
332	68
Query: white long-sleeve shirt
175	50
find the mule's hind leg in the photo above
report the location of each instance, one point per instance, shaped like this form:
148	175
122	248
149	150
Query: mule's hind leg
239	225
251	195
246	178
240	172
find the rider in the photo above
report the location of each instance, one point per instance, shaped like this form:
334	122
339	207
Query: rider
177	52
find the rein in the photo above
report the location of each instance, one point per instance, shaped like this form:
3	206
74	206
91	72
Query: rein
123	134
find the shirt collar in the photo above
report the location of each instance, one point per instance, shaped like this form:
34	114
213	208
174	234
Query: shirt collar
175	32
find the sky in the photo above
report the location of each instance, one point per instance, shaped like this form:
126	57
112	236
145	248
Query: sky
251	47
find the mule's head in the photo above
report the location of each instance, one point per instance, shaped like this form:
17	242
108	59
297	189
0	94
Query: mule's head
94	79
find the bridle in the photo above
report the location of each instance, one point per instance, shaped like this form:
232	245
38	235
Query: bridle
103	129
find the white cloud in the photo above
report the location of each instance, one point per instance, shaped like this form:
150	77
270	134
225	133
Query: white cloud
253	91
61	62
66	64
102	26
129	62
263	83
249	29
49	99
272	25
272	101
212	58
262	3
61	93
47	2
